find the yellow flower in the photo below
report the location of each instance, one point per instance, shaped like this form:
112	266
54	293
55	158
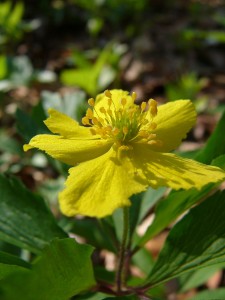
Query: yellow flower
122	149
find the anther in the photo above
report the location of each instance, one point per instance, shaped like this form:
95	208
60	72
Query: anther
153	107
134	96
102	110
85	121
92	130
91	102
107	93
143	106
123	101
89	113
125	130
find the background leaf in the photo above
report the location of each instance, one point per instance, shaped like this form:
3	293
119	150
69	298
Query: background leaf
197	241
215	145
64	269
25	220
217	294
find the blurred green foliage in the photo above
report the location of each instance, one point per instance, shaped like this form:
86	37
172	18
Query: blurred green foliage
55	54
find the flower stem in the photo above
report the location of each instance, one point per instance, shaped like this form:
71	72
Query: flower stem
121	270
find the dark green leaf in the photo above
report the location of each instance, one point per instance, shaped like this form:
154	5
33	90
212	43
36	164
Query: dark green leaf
25	220
98	236
10	263
215	145
171	208
63	269
197	241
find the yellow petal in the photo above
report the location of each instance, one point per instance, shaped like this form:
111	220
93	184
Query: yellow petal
97	187
66	126
70	151
166	169
174	120
117	96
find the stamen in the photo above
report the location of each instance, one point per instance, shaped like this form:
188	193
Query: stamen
85	121
107	93
143	106
123	101
102	110
125	130
134	96
91	102
89	113
153	107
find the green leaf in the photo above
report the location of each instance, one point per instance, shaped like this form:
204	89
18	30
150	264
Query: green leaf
25	220
10	263
197	241
194	279
215	145
87	77
98	236
3	65
217	294
71	104
63	270
171	208
9	145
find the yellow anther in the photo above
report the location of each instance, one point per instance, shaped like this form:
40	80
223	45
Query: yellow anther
95	121
93	131
153	107
101	120
134	96
91	102
155	142
102	110
89	113
85	121
109	102
143	106
115	131
109	112
123	101
125	130
108	94
108	129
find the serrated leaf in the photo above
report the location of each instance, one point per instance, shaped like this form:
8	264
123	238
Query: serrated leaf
63	270
197	241
25	220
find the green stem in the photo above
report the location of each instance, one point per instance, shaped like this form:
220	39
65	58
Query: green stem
121	271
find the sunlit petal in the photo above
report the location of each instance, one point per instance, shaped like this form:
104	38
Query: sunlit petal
99	186
70	151
174	120
66	126
166	169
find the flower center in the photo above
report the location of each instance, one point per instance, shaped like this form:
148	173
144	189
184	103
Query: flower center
124	124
